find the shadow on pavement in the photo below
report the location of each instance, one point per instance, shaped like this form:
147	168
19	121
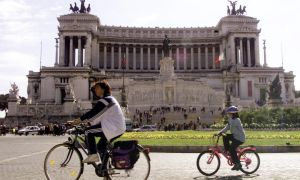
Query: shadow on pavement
237	177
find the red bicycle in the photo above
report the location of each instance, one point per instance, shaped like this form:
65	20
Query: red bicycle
208	162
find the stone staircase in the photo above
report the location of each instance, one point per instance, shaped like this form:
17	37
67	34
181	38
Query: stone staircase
178	117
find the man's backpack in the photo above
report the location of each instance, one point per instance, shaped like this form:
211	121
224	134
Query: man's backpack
125	154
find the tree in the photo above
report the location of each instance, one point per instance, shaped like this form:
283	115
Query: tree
275	89
4	102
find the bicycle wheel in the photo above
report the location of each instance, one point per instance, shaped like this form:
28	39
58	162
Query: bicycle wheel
63	162
208	163
141	169
250	161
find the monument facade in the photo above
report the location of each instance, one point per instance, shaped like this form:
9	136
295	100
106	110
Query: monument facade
184	67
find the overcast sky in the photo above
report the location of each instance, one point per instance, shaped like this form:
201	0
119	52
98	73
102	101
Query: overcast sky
25	23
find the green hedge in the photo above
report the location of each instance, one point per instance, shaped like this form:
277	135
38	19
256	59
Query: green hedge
274	118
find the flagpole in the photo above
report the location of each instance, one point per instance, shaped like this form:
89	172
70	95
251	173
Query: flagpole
281	56
41	55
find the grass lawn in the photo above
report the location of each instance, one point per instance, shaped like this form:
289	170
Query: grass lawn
199	138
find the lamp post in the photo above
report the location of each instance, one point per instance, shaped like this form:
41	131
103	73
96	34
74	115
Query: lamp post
227	91
228	97
123	93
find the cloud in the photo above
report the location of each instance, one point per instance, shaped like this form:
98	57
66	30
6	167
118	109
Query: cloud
14	10
14	67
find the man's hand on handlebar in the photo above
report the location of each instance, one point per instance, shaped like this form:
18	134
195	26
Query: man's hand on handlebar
75	122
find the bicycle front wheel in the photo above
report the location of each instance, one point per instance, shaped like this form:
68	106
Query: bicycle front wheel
63	162
208	163
141	169
250	161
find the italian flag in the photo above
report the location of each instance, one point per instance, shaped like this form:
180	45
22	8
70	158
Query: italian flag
124	61
219	58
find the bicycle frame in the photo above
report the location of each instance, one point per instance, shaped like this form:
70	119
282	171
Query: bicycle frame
75	139
218	151
75	143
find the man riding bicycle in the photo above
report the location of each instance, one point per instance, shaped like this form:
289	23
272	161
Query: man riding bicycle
237	136
106	119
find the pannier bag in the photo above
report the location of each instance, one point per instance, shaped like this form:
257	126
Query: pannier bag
125	154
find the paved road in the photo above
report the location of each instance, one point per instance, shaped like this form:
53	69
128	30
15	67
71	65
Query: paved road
21	158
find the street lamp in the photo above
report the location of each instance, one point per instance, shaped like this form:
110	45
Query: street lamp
227	91
123	93
228	97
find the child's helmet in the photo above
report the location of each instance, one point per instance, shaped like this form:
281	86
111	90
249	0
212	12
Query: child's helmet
232	109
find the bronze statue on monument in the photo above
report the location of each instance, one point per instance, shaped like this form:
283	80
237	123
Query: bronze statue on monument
234	11
82	9
166	47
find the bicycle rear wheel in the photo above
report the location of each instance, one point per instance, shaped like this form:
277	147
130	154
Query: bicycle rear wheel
141	169
63	162
250	161
208	163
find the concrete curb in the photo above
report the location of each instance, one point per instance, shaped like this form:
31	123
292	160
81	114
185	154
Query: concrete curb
198	149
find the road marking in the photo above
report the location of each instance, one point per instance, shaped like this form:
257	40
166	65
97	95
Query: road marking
22	156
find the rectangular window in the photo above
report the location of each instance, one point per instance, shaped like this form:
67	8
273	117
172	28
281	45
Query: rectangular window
249	88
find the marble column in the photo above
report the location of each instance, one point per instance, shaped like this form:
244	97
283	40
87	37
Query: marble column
232	51
148	58
134	57
88	52
214	56
206	57
71	52
241	60
62	50
177	58
221	50
256	44
127	56
120	57
112	56
192	58
56	52
105	56
79	63
142	58
199	58
184	57
248	52
156	58
265	54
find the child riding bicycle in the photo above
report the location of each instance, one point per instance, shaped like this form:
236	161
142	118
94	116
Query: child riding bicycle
237	136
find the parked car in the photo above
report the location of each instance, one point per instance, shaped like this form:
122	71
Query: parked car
146	128
33	130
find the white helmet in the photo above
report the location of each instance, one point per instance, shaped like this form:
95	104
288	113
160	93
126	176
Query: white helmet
232	109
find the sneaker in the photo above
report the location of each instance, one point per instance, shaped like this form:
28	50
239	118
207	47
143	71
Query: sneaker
236	167
91	158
